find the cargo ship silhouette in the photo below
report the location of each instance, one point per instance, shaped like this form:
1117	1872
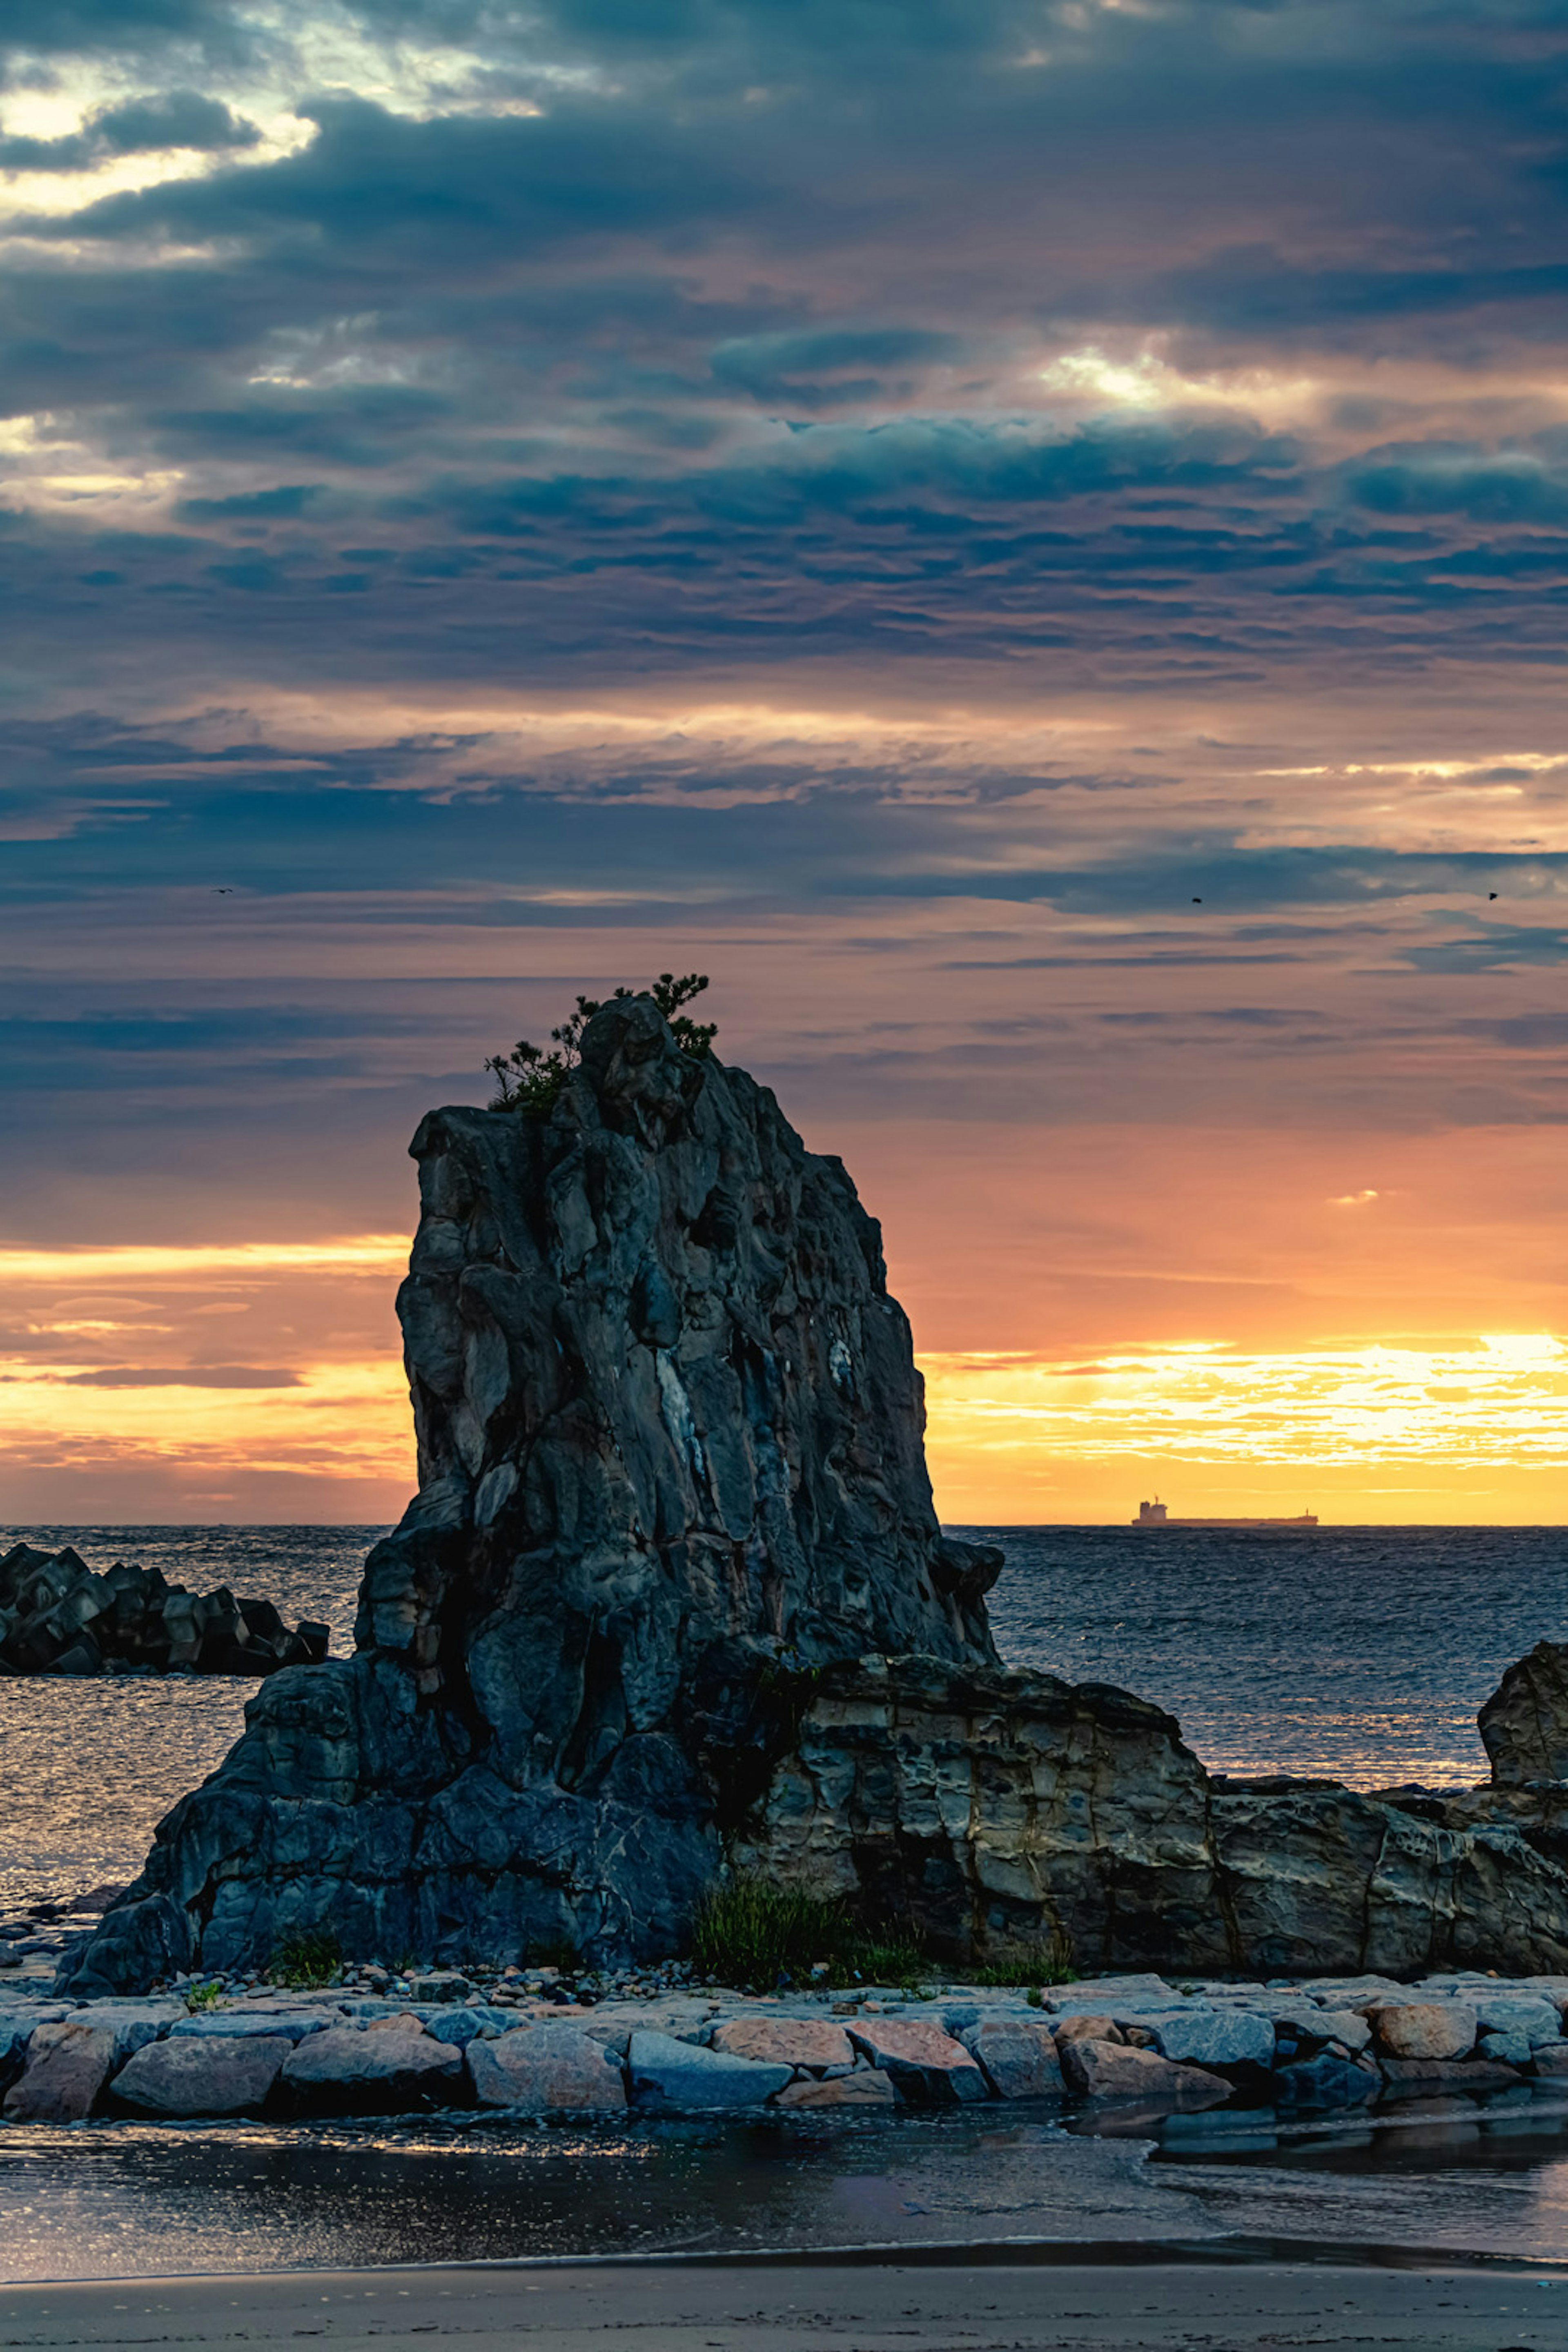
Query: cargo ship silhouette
1155	1515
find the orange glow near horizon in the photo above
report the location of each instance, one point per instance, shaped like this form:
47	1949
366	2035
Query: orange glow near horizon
146	1390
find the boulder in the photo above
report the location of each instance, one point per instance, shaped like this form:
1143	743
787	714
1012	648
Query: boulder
1108	2070
1508	2049
383	2069
1088	2025
1535	2018
811	2043
1524	1723
1551	2059
462	2026
928	2066
867	2088
1311	2023
1229	2039
544	2068
68	2065
212	2074
1017	2056
683	2077
1424	2028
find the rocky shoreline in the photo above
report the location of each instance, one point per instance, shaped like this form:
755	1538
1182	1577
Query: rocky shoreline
58	1617
535	2043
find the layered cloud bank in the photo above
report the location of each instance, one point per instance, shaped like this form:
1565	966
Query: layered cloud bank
1029	540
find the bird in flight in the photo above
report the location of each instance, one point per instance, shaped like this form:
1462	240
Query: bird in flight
1198	902
1491	894
225	890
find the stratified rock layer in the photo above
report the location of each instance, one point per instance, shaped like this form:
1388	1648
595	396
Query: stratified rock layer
672	1600
989	1810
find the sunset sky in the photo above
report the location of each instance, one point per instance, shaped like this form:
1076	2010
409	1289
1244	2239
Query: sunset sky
1030	542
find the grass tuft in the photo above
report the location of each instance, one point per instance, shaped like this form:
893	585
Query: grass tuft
754	1936
1032	1965
313	1957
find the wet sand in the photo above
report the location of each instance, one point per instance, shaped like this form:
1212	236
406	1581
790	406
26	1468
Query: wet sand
1003	2302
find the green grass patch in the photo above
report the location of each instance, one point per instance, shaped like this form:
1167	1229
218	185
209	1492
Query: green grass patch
1032	1965
200	1997
311	1958
753	1935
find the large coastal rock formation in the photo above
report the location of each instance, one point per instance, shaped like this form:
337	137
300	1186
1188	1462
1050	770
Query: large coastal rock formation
672	1600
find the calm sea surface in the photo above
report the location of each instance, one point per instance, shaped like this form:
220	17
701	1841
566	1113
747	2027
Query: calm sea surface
1358	1653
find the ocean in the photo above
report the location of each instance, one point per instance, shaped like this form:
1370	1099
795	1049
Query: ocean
1358	1653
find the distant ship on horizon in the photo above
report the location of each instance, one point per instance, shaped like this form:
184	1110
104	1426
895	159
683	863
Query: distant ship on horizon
1155	1515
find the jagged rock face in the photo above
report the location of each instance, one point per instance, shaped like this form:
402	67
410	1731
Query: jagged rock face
670	1446
986	1811
1524	1723
663	1402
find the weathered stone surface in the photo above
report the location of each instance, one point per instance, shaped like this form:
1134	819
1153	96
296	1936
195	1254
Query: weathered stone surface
683	2077
379	2069
1508	2049
544	2068
1089	2026
1108	2070
1536	2019
866	2089
263	2024
1201	2036
1017	2057
67	2068
928	2066
1424	2029
215	2075
1524	1723
1311	2023
785	2042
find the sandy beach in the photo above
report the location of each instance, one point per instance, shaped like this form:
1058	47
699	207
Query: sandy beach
868	2305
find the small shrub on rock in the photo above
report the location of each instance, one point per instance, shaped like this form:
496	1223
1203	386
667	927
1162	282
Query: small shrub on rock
530	1079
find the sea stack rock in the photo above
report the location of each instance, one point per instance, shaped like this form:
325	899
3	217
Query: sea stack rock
670	1466
672	1601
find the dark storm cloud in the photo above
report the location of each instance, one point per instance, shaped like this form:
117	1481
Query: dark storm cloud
175	119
